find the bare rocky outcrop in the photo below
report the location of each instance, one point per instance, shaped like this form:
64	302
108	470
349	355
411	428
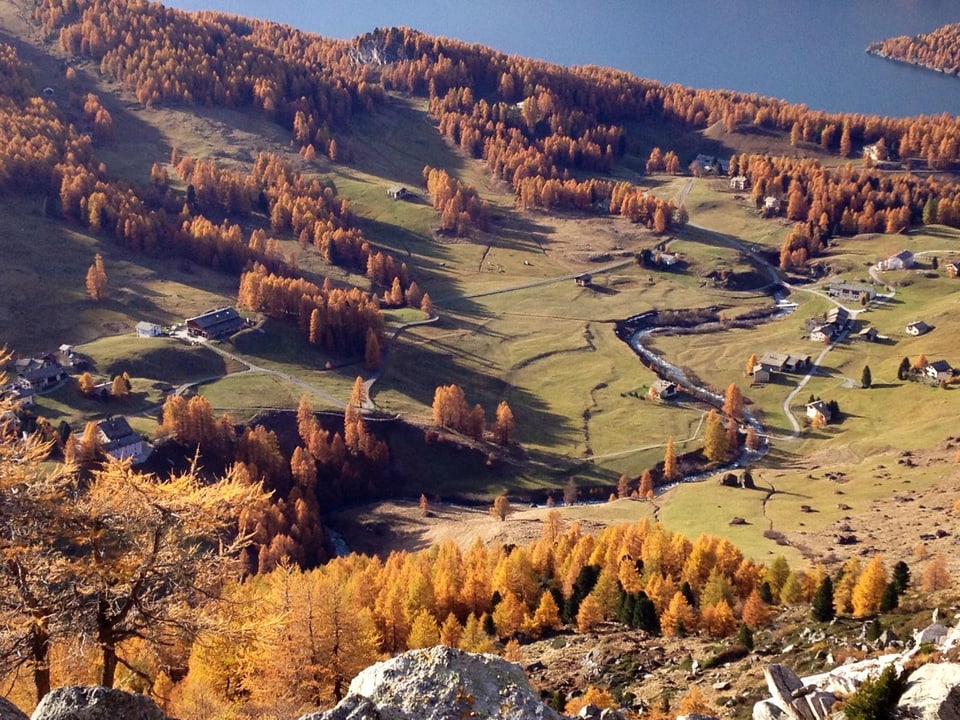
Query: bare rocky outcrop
440	683
96	703
9	711
933	693
797	700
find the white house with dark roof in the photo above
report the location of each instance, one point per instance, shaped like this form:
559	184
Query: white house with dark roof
148	329
40	373
903	260
120	440
818	411
663	390
917	327
938	370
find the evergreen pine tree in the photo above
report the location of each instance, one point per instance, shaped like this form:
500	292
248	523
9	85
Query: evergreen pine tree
876	699
891	598
901	576
823	601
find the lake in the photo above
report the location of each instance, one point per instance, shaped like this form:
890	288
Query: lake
811	52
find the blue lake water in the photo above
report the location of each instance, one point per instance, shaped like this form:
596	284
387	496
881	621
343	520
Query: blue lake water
810	52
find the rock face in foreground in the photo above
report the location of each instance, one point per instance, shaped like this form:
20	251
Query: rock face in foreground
9	711
96	703
440	683
933	693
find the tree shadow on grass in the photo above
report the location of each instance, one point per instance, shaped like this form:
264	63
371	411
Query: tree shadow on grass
415	370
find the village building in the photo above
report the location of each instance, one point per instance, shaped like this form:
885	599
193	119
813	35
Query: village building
771	205
739	182
953	269
939	370
818	412
824	333
868	334
917	327
40	373
838	316
216	323
583	280
709	165
397	192
663	390
148	329
20	393
783	363
903	260
844	290
121	441
760	375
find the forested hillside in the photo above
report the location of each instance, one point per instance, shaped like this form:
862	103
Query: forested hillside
208	577
937	50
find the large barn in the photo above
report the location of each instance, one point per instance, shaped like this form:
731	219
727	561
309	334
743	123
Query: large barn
216	323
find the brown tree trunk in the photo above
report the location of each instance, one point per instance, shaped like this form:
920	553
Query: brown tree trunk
108	647
40	649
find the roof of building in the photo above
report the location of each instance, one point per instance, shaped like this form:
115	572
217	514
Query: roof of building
902	255
919	325
222	321
940	366
851	287
115	428
144	326
837	315
41	373
774	358
213	317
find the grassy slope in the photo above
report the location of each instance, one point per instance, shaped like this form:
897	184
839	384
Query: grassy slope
549	350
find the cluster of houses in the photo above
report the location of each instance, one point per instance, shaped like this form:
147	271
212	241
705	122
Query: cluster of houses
29	377
827	328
